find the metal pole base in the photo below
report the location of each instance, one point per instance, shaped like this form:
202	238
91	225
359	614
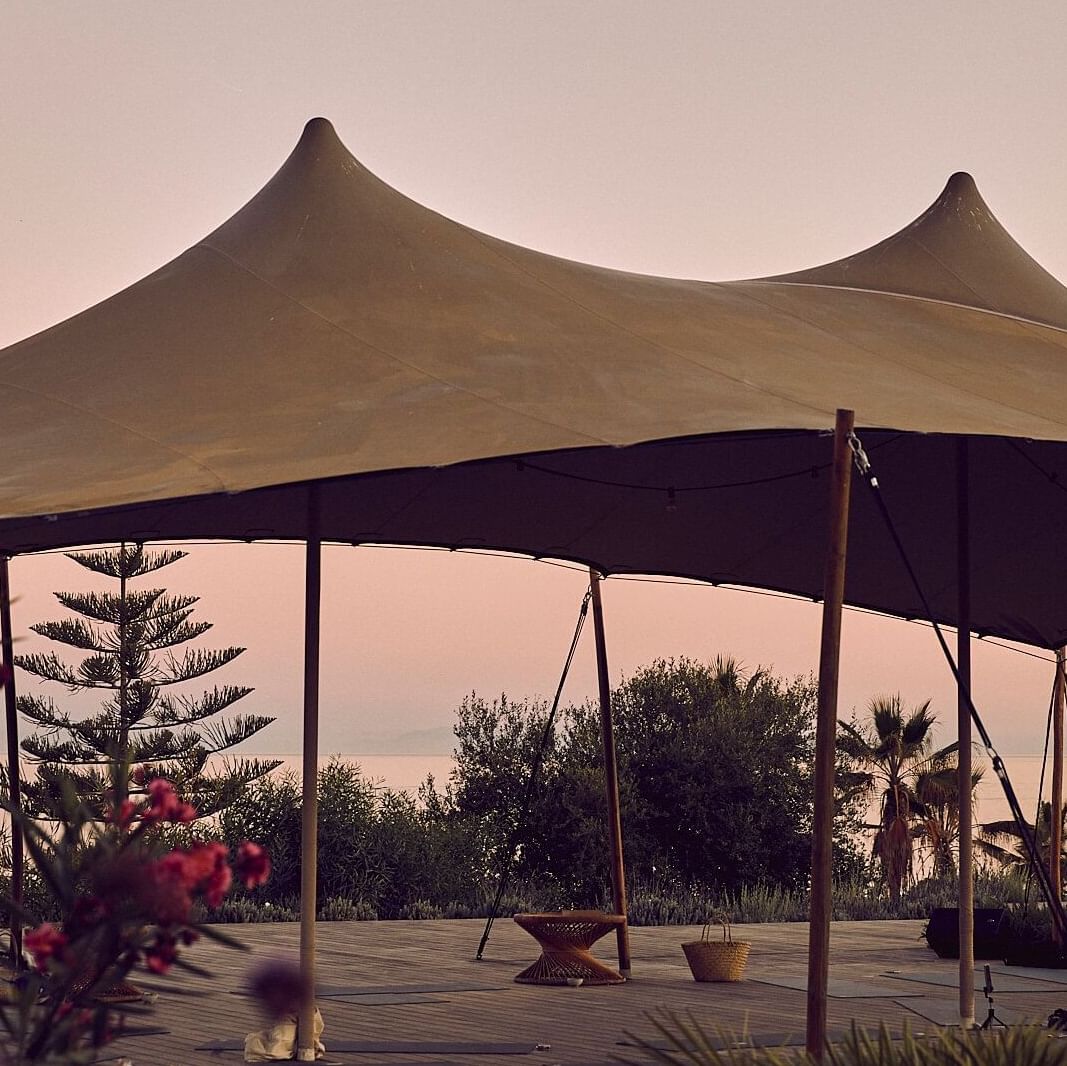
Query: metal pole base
987	991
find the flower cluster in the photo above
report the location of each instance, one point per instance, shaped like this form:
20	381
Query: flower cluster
151	897
162	804
44	943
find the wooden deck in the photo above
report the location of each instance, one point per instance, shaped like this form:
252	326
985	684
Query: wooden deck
581	1026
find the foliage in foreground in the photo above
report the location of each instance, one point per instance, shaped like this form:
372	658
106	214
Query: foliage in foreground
124	901
691	1044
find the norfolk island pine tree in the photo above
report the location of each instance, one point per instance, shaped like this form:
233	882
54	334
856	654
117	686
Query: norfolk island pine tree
144	723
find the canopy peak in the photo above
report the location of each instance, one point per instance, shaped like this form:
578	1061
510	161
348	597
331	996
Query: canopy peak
956	251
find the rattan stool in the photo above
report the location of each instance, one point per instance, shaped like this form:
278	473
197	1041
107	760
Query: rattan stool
565	938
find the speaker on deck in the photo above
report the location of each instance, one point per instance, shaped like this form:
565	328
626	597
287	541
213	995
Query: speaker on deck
943	932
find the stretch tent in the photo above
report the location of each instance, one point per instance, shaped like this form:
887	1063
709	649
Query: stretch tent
334	331
338	361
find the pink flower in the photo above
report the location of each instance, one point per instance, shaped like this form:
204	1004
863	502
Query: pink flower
86	912
160	956
165	893
253	864
218	882
123	814
203	868
44	943
165	805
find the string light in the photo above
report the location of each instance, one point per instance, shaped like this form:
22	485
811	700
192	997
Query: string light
577	569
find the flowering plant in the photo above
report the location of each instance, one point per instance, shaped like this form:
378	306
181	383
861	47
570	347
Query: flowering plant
125	902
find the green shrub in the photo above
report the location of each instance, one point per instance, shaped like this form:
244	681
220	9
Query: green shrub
666	902
420	910
347	910
268	813
247	910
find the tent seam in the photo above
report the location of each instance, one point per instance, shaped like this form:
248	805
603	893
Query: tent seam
93	416
948	270
600	316
1032	323
877	355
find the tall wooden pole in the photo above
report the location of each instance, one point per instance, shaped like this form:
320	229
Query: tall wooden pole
825	738
611	775
13	769
963	724
1056	812
309	819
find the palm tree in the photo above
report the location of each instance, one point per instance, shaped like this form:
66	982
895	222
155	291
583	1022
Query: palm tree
1003	841
892	752
938	831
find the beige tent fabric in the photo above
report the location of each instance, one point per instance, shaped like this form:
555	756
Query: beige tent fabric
439	386
334	327
955	252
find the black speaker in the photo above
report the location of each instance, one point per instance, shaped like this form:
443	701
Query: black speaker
943	932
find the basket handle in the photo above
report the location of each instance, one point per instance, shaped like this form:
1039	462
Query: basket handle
727	935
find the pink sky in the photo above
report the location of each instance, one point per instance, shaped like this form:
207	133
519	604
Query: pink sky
688	139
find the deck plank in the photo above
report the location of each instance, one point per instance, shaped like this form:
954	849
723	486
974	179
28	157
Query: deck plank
581	1025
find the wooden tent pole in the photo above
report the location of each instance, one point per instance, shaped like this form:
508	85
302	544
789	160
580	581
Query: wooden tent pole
13	768
1056	802
611	775
309	816
825	738
965	794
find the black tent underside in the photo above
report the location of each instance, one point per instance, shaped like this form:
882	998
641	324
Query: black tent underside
744	509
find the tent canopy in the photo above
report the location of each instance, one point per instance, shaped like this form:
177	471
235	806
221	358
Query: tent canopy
440	386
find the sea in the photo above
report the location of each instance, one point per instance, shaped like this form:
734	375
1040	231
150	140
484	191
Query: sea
398	772
404	773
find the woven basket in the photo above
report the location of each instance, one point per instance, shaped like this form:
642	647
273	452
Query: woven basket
717	960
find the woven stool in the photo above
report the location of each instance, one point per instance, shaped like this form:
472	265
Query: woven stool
565	938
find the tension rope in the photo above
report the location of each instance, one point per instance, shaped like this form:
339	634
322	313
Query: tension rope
863	466
519	827
1041	787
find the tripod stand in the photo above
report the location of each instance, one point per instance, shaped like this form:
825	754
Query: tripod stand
991	1017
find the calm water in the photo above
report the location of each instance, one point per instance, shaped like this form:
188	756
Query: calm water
401	773
1025	774
407	772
